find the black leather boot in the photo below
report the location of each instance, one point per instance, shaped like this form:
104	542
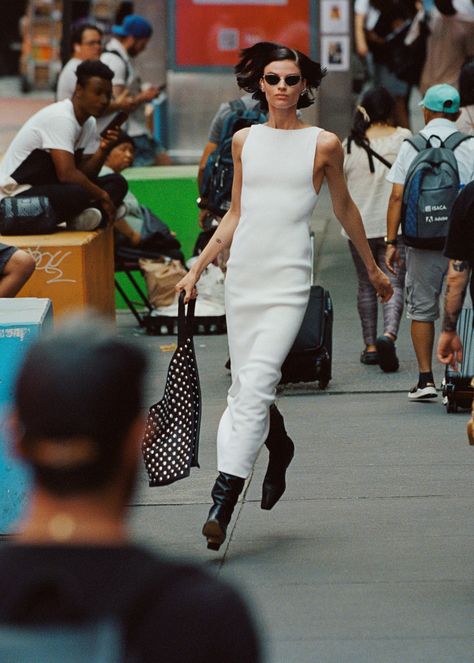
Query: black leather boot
225	494
281	450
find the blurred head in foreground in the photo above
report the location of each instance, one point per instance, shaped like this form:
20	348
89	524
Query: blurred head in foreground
78	420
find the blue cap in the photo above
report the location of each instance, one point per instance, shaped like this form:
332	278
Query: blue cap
134	25
442	98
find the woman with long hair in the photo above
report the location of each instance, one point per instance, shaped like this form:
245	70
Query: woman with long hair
370	149
279	168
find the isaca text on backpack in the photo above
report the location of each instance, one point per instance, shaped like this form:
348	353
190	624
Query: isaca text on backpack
431	187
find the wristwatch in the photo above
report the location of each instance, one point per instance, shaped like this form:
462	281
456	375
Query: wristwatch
390	242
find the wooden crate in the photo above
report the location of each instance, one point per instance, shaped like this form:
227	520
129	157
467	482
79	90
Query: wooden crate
74	269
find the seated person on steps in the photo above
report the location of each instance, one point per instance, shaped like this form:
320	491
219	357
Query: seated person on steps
138	227
16	267
58	154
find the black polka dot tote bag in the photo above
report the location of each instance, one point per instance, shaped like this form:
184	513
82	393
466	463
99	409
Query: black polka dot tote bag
170	445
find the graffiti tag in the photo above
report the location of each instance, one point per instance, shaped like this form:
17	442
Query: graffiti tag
51	263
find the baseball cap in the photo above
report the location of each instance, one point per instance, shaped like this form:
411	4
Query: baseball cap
442	98
133	25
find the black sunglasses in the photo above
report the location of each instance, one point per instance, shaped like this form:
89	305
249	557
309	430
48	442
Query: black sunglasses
290	80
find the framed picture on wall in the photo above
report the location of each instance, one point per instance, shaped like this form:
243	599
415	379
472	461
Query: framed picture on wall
335	52
335	17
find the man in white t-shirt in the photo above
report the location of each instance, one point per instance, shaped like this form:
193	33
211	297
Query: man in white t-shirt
130	39
451	41
425	269
58	154
86	39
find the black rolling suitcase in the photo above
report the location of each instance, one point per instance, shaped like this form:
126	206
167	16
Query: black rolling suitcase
310	358
457	389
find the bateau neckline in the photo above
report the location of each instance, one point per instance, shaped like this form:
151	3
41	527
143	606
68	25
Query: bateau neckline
288	130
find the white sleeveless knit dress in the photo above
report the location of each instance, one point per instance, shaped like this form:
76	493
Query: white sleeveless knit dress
267	283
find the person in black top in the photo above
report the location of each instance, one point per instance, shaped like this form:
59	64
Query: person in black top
78	426
460	248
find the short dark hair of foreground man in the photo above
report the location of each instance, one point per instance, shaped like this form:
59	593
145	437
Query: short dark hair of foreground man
58	153
78	424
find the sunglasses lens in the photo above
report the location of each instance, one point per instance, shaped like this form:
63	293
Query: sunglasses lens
292	80
272	79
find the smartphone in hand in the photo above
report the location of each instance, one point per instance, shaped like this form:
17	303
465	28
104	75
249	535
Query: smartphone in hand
115	122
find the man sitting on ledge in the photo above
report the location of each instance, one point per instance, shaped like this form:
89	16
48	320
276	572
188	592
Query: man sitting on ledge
58	153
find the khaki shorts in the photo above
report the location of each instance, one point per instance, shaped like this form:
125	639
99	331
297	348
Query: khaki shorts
424	282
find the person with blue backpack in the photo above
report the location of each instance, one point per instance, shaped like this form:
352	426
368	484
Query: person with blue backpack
216	168
427	175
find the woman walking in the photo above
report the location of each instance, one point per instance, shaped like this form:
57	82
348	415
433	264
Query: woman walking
278	171
374	140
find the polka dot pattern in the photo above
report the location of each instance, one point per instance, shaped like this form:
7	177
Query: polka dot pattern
170	444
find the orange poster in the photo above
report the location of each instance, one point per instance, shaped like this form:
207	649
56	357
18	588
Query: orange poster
210	33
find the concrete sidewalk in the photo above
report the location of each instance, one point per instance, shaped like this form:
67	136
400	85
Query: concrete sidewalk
368	557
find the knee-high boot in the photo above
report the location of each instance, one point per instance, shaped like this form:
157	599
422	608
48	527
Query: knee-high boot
224	494
281	450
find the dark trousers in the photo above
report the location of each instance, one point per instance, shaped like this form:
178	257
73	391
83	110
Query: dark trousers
69	200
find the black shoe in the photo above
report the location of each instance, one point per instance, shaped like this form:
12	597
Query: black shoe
388	360
369	357
281	450
225	494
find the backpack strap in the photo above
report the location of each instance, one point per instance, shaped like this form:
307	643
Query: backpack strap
454	140
237	105
418	142
119	55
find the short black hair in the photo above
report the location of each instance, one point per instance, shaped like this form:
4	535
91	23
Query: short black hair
93	68
81	381
253	60
123	137
78	29
466	83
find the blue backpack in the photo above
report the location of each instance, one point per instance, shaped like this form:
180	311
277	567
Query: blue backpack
218	173
431	187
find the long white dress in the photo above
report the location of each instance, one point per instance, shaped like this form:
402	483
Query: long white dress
267	283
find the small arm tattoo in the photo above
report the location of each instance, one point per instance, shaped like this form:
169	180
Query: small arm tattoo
460	265
219	241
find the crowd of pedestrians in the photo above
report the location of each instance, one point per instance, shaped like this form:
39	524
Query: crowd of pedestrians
84	464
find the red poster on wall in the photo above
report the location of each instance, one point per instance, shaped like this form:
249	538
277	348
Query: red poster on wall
210	33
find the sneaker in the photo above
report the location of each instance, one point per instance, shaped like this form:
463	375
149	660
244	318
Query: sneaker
423	393
121	212
369	358
88	219
388	360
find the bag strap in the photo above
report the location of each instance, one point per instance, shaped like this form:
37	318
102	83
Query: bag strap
185	320
454	140
119	55
419	142
370	154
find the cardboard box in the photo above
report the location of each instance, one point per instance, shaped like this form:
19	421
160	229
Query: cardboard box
21	322
74	269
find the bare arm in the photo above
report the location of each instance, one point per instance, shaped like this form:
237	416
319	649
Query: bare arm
394	215
449	350
330	160
123	101
359	36
224	234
